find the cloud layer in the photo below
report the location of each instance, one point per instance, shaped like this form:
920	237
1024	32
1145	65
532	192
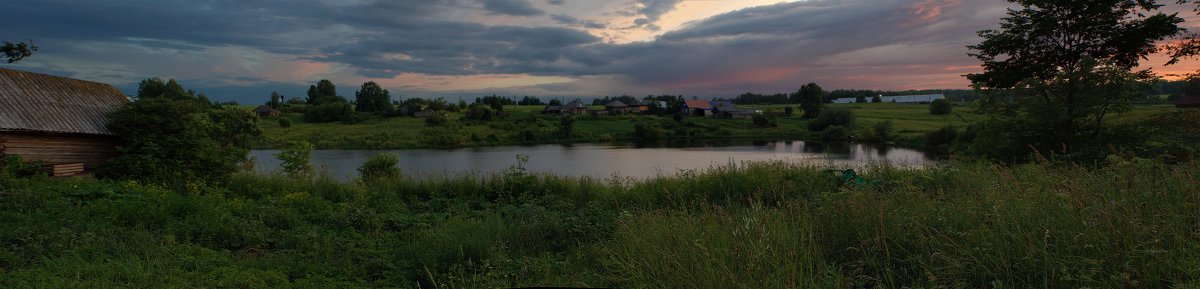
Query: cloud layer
243	48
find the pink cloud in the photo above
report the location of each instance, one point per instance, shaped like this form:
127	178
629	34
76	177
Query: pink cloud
927	11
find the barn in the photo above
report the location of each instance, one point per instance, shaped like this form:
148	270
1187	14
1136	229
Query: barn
57	120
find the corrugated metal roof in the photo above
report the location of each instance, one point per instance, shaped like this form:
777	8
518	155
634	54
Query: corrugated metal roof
38	102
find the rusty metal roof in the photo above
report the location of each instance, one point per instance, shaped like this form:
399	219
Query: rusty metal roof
38	102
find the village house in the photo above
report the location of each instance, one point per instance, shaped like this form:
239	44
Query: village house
59	121
616	107
726	109
575	107
693	107
267	111
553	109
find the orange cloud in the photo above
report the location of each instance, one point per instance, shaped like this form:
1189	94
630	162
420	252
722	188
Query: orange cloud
926	11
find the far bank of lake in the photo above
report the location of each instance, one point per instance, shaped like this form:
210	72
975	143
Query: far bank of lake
604	160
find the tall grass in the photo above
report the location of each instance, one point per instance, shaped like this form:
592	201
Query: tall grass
762	225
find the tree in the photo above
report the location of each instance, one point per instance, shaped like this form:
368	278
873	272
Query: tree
876	99
1056	68
939	107
555	102
324	91
324	105
17	51
372	98
174	141
157	88
276	99
860	99
810	97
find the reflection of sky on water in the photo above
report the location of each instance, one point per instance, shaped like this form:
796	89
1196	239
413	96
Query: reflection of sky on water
604	160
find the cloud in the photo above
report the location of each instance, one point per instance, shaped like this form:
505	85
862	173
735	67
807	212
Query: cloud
652	10
572	21
512	7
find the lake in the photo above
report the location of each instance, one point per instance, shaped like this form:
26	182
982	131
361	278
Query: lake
604	160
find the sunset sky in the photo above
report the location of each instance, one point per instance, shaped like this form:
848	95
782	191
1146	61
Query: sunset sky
244	49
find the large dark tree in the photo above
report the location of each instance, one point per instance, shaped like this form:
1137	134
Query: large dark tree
372	98
17	51
178	138
323	92
1055	68
810	97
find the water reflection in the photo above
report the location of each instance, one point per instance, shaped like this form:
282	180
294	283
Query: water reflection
628	159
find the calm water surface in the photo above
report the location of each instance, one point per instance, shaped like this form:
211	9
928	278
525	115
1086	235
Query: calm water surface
603	160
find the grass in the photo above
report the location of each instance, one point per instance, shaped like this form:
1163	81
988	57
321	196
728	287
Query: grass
762	225
527	126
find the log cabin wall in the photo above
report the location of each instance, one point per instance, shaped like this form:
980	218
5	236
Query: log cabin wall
51	148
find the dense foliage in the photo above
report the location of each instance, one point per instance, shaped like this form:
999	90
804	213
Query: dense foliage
940	107
169	138
839	116
372	98
811	98
1057	68
753	226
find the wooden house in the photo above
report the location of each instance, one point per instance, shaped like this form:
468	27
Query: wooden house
553	109
267	111
616	107
59	121
726	109
639	106
697	107
575	107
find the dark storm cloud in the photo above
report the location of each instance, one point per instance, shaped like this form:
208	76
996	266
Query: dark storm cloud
765	47
512	7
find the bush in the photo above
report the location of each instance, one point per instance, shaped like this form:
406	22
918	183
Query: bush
764	121
876	99
436	119
939	107
788	110
14	166
294	159
328	112
941	140
285	123
167	141
882	131
835	133
479	112
380	166
839	116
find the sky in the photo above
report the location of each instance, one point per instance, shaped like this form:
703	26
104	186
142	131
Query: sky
242	50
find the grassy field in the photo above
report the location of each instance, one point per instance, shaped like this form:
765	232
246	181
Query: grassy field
526	126
766	225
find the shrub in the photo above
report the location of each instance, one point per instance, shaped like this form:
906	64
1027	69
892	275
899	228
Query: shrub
763	121
294	159
835	133
939	107
328	112
285	123
876	99
436	119
168	141
839	116
940	141
380	166
14	166
882	131
678	117
566	126
479	112
788	110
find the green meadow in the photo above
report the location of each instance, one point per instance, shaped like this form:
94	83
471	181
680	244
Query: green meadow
525	125
763	225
